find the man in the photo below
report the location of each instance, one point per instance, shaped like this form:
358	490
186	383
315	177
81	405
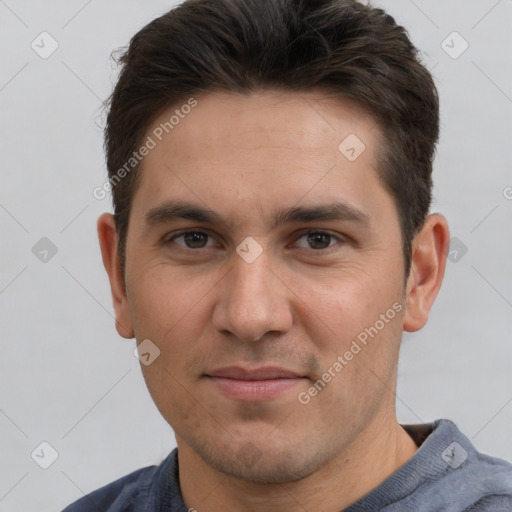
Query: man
270	164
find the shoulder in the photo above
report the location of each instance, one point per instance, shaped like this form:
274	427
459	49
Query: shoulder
454	472
493	477
492	504
492	473
129	493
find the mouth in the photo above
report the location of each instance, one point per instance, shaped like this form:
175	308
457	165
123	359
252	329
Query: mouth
257	385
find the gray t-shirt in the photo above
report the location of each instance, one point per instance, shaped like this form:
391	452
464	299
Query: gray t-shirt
446	474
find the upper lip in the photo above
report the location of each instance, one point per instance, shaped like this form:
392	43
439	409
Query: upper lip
263	373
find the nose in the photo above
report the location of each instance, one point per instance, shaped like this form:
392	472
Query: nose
253	301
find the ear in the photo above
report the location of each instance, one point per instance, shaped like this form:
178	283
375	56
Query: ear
429	252
108	238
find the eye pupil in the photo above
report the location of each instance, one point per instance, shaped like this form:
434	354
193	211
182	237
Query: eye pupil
195	240
319	240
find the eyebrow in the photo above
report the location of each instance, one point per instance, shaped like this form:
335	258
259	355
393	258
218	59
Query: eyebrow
172	210
340	211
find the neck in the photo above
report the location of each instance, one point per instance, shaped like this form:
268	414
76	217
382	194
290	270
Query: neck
379	450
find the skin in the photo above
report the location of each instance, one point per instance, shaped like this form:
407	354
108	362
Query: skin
298	305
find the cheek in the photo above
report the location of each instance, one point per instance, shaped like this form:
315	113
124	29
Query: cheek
344	303
173	312
342	318
162	297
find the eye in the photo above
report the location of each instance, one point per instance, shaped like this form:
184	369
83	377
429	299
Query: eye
193	240
317	240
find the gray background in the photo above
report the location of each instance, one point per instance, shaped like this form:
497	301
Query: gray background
66	376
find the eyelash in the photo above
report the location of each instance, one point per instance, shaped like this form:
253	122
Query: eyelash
337	238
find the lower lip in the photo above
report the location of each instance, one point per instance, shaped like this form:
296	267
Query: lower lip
254	390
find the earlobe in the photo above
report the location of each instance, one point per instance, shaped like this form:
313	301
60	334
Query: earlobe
108	239
427	271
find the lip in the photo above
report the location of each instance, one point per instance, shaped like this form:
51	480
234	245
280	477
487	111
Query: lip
255	385
262	373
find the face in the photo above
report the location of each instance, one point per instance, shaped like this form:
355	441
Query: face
264	260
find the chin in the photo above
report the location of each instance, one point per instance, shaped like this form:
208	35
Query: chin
263	463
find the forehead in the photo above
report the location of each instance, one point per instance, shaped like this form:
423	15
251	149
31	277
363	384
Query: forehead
270	146
280	120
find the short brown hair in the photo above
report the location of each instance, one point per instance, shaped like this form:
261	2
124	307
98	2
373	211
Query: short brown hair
343	46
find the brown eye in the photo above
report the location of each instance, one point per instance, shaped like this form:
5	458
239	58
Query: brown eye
196	240
319	240
192	240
